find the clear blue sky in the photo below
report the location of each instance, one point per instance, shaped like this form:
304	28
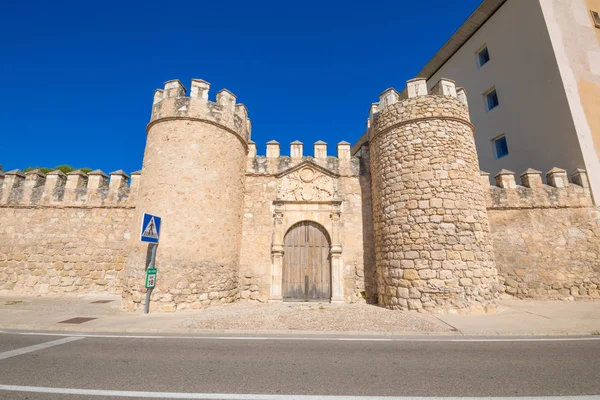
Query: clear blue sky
78	76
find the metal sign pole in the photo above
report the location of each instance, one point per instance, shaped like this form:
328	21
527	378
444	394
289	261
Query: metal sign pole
150	233
149	290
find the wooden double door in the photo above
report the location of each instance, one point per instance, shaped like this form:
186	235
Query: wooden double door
306	263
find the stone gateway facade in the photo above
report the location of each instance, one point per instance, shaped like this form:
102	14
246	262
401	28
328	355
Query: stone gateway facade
406	220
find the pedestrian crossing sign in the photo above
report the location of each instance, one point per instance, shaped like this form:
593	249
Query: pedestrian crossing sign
150	228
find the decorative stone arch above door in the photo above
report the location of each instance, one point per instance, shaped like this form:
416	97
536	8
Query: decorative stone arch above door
307	192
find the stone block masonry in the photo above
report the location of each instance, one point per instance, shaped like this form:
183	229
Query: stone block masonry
63	250
64	234
546	236
432	244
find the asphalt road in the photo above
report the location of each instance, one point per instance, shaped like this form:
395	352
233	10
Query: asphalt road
280	366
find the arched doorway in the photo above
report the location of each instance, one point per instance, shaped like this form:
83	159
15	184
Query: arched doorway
306	263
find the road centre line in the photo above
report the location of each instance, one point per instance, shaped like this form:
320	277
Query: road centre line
234	396
309	338
36	347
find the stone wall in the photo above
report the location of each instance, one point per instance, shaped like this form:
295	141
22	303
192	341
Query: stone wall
546	236
257	237
63	250
358	260
64	234
368	241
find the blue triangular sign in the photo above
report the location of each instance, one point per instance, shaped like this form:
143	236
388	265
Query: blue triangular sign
150	228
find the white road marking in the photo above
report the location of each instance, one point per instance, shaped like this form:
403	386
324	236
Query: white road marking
310	338
36	347
234	396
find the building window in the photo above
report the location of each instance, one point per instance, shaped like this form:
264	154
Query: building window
483	56
595	18
491	99
500	146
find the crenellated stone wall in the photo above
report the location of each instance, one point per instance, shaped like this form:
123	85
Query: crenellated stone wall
64	234
546	236
532	193
76	189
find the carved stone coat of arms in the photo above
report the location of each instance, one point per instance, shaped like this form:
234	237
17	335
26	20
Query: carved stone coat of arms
307	184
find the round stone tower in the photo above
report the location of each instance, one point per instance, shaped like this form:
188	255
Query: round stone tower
193	178
433	247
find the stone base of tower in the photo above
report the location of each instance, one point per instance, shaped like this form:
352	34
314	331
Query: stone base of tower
459	300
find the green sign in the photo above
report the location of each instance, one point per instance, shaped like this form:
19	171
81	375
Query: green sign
150	278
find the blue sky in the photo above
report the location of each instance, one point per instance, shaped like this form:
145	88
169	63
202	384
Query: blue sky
78	76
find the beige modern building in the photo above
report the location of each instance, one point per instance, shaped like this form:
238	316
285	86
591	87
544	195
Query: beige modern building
542	59
531	70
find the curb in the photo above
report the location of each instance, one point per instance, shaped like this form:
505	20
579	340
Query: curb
51	328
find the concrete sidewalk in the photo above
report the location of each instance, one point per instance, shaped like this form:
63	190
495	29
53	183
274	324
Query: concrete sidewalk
514	317
530	317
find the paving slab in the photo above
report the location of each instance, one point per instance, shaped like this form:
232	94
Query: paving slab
530	317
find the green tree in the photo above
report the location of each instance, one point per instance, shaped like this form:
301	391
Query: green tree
65	169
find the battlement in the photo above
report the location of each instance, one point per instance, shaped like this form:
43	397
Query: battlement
74	189
444	100
172	103
559	192
274	163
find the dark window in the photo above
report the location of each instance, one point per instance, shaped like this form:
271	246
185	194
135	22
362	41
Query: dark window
501	147
483	56
491	100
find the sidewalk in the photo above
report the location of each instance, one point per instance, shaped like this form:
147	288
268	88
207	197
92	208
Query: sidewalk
530	317
514	317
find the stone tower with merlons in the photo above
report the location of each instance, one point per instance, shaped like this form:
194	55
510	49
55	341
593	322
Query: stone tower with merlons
432	240
193	177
